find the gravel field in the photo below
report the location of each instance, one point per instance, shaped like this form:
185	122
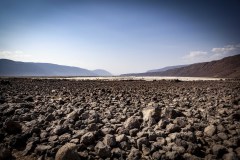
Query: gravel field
64	119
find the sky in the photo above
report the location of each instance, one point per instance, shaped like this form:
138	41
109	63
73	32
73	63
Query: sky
124	36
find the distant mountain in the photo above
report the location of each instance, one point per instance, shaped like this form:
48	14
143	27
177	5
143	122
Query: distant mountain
14	68
102	72
228	67
166	68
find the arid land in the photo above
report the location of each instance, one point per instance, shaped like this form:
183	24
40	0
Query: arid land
119	119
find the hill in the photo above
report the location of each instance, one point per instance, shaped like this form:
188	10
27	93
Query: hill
14	68
228	67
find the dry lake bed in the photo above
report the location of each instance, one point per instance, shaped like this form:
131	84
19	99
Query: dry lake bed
117	118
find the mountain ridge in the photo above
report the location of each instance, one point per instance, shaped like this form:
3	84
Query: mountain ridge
17	68
228	67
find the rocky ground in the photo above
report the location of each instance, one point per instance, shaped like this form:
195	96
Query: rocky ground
71	120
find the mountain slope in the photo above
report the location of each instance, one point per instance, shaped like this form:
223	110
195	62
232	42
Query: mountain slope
228	67
13	68
166	68
102	72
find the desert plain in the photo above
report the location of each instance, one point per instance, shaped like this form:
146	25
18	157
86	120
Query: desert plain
71	119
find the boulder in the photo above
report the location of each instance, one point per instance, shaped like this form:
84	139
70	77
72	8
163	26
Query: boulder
151	113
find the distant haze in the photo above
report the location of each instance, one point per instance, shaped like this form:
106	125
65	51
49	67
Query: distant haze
119	36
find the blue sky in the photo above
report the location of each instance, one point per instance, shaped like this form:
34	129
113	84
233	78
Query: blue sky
119	36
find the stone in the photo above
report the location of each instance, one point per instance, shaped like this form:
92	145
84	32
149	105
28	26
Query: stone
102	150
237	150
172	113
87	138
29	148
163	123
29	99
178	149
42	148
5	153
145	150
142	141
12	127
210	130
121	138
230	156
172	155
75	140
156	155
109	140
73	115
67	152
218	150
64	137
60	129
223	136
52	138
151	112
134	154
132	122
171	128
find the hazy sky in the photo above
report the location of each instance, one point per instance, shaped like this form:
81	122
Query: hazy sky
119	36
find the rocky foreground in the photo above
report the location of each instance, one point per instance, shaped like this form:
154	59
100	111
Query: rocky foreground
71	120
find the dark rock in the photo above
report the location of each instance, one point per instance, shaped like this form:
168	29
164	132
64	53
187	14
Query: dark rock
29	99
134	154
87	138
172	113
103	150
121	138
41	148
5	153
19	140
132	122
230	156
218	150
156	155
142	141
109	140
12	127
172	155
171	128
60	129
29	148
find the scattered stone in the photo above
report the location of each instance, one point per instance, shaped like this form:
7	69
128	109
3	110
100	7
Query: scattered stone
5	153
134	154
132	122
12	127
218	150
103	150
109	140
210	130
151	112
87	138
42	148
142	141
171	128
121	138
67	152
